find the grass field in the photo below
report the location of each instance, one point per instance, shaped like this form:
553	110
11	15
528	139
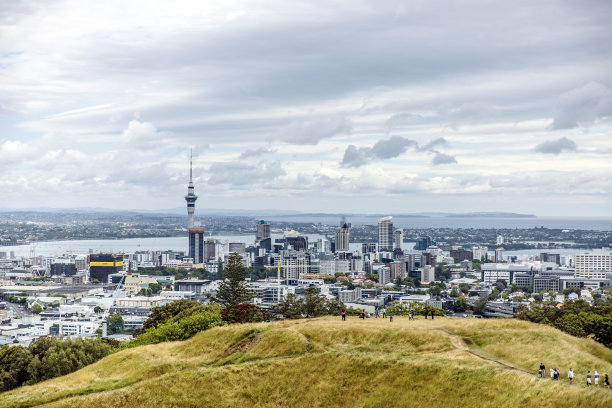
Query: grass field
329	363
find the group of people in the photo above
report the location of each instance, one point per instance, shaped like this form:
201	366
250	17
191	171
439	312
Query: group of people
378	312
590	378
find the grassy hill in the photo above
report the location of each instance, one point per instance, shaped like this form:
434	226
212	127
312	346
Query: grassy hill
329	363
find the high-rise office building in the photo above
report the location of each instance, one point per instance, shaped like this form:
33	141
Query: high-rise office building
592	265
342	238
399	239
101	266
423	243
196	245
385	234
263	231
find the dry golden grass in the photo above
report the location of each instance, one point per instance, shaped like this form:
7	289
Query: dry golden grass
329	363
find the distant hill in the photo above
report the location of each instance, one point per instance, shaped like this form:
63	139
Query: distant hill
329	363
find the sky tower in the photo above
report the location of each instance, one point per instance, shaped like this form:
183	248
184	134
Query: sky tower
190	197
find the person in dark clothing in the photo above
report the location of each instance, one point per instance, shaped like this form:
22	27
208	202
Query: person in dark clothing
426	313
542	371
390	318
432	314
343	315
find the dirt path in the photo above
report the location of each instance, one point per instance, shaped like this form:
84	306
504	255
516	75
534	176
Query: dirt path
461	345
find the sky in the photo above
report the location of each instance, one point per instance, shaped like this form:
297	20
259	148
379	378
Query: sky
317	106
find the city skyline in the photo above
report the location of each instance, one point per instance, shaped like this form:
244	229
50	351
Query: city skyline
355	107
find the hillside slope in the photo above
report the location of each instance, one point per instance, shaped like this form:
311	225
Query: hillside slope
329	363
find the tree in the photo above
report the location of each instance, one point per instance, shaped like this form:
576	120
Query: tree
454	293
479	306
233	289
155	288
36	308
243	313
464	288
98	309
460	304
290	306
494	294
114	323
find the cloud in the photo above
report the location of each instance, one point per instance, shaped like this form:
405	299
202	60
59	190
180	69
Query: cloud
256	152
14	151
436	142
383	149
141	134
556	146
241	174
582	106
313	130
441	158
390	148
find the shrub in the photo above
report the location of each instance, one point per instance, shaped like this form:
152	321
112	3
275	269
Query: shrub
243	313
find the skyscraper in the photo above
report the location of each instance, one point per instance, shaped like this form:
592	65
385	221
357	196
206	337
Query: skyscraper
190	197
342	238
263	231
385	234
399	239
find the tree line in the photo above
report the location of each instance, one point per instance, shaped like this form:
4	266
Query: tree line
577	318
46	358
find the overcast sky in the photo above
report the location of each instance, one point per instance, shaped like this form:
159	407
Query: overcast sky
320	106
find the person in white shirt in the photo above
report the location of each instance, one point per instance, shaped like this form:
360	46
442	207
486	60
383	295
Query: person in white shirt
552	373
596	377
570	375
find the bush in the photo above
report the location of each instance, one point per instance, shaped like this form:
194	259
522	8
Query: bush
185	324
243	313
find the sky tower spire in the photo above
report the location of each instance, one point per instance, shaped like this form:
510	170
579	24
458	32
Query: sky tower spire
190	197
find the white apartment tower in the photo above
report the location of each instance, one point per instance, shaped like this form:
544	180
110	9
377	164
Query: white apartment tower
385	234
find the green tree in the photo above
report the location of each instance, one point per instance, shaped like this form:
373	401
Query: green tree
155	288
291	307
464	288
460	304
114	322
233	290
479	306
36	309
98	309
454	293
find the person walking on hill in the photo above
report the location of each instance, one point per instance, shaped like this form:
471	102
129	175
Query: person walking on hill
606	382
426	313
432	314
552	373
596	377
588	377
384	313
542	370
570	375
344	315
377	315
411	315
390	317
